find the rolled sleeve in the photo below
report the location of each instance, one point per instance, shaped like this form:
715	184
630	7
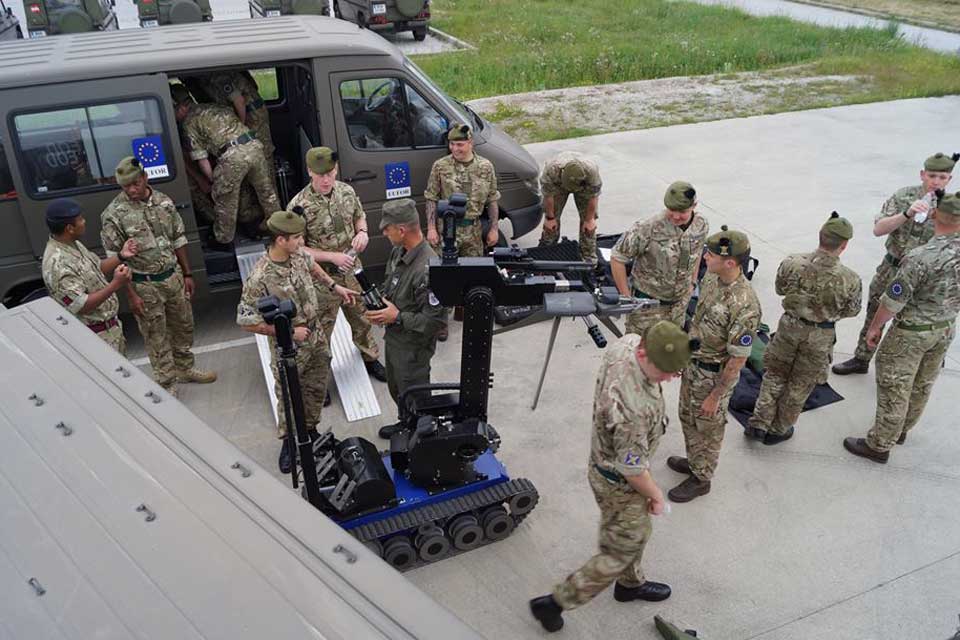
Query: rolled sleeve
550	180
359	215
432	192
633	452
111	236
247	314
742	333
630	245
900	290
70	292
891	207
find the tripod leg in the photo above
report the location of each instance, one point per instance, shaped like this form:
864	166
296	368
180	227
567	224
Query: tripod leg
546	361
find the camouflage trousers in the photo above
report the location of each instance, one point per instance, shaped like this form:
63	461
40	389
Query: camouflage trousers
588	239
639	321
167	327
114	337
237	163
258	121
202	202
625	529
794	362
908	363
702	435
313	367
406	365
881	280
330	303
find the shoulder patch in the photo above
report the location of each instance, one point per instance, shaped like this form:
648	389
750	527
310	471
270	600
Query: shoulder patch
746	340
631	460
896	289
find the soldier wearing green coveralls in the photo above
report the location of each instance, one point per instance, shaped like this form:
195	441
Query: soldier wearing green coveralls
413	314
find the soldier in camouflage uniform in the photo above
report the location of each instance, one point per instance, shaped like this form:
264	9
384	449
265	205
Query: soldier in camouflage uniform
162	281
336	225
571	173
629	418
924	300
725	323
213	130
817	291
665	250
905	221
75	276
288	273
239	91
413	315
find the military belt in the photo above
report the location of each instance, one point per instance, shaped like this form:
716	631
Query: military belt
925	327
820	325
152	277
236	142
466	222
663	303
892	259
256	104
106	325
707	366
612	476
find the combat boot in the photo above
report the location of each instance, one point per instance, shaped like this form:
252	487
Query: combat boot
376	370
548	612
689	489
196	375
902	438
777	438
754	433
853	365
680	465
649	591
859	447
327	400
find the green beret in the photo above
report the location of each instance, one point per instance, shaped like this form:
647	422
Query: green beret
726	243
321	159
286	223
668	346
680	196
180	94
941	162
403	211
950	205
128	171
573	176
837	226
459	132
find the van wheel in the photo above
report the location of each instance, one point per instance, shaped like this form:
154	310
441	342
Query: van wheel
28	295
420	34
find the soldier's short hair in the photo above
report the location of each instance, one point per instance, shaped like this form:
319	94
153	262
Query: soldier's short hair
829	241
57	227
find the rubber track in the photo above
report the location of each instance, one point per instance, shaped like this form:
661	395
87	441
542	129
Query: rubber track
446	510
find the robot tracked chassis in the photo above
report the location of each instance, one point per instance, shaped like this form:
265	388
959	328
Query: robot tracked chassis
439	490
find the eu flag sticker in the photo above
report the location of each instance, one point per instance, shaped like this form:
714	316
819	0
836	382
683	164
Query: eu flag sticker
397	177
149	151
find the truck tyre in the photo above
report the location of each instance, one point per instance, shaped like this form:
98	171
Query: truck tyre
420	34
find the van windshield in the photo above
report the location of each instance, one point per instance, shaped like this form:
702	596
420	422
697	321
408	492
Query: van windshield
463	112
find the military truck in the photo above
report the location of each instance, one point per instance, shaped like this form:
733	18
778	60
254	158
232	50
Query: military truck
66	124
388	15
9	24
52	17
155	13
277	8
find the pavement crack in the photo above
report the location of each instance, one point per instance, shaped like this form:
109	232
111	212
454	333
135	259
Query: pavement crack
855	596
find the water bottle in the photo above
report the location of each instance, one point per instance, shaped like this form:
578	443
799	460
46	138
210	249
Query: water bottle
931	199
353	254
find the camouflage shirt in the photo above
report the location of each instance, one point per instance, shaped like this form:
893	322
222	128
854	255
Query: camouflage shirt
225	86
910	234
71	273
664	255
476	178
290	280
926	288
552	185
816	287
155	224
208	127
331	219
726	320
629	415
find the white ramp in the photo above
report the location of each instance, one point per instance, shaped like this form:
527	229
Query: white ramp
353	384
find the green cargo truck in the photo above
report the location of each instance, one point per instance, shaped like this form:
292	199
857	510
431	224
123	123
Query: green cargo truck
52	17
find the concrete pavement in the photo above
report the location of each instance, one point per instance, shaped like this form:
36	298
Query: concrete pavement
801	541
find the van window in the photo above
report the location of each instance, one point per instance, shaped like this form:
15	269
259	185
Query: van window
78	148
387	113
266	80
7	191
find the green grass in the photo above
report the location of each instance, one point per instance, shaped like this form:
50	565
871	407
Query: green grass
531	45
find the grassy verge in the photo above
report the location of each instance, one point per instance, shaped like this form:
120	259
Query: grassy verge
943	14
534	45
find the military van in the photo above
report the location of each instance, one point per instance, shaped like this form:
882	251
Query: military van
72	107
52	17
277	8
155	13
9	24
388	15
